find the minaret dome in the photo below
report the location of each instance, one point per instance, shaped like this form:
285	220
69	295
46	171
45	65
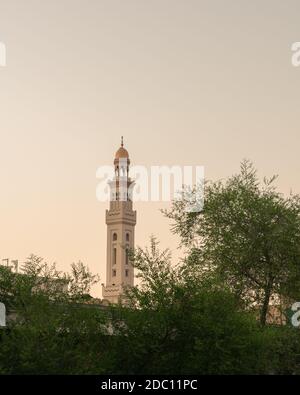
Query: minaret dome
122	155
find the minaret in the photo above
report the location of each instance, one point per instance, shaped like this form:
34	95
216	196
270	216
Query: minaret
120	221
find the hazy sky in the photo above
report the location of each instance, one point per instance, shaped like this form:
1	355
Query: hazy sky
186	82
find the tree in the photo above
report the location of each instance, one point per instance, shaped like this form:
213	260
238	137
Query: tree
248	234
178	320
176	323
81	280
53	332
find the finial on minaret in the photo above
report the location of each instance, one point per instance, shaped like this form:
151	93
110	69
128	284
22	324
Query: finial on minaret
122	142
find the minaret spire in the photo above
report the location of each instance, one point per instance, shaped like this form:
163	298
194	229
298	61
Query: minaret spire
120	221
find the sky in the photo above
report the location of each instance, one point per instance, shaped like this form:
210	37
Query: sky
185	82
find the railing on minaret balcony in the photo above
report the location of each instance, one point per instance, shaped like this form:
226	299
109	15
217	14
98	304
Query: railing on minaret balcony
121	187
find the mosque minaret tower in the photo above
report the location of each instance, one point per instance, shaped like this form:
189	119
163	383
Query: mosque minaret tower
120	221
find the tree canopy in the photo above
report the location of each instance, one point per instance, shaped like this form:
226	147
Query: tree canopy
248	234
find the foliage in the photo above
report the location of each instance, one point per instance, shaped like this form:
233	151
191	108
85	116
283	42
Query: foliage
248	234
174	322
52	332
81	280
180	328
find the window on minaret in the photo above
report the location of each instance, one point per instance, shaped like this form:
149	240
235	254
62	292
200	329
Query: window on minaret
115	237
126	272
114	256
127	236
114	273
126	255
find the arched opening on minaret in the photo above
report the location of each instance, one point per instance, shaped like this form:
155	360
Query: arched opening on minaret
127	255
114	256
